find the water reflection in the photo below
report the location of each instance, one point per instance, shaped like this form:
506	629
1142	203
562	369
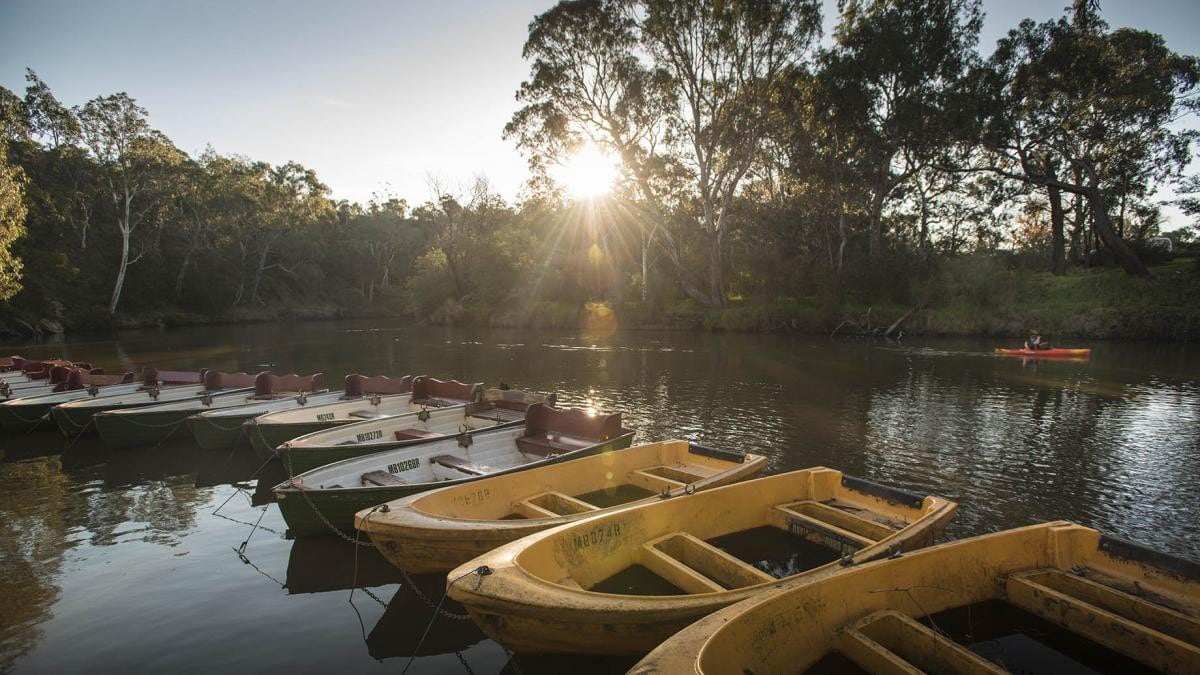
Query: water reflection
1111	442
413	609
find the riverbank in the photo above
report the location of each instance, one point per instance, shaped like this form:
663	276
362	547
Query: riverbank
966	302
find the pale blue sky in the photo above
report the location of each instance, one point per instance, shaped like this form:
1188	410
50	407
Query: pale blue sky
371	94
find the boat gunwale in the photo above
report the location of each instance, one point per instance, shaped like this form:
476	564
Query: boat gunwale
426	522
689	649
288	487
217	394
659	607
234	412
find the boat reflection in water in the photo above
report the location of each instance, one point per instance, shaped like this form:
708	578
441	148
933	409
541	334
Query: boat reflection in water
326	563
225	468
411	610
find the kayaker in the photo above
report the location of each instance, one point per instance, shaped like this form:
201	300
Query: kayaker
1034	341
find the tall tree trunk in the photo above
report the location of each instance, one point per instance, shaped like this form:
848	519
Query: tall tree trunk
237	300
187	259
126	228
875	241
1076	253
258	272
843	232
716	275
1104	229
1058	243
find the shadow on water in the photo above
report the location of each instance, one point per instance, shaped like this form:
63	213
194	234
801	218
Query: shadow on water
411	611
327	563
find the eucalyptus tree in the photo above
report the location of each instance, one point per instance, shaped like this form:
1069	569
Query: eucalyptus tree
897	67
675	90
130	156
12	222
49	119
589	84
1072	107
293	200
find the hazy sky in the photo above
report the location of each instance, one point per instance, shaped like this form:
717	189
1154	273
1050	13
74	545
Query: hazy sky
373	95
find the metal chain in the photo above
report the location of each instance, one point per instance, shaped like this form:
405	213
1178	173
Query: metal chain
212	421
321	516
463	660
12	410
146	425
429	603
482	569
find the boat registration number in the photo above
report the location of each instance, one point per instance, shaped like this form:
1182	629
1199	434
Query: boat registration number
370	435
470	498
324	417
598	535
406	465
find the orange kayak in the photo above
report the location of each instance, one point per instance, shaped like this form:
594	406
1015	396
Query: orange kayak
1052	353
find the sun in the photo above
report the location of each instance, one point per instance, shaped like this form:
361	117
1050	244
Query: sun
587	174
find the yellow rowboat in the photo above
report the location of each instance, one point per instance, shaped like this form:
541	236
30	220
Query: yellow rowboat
1001	601
439	530
622	582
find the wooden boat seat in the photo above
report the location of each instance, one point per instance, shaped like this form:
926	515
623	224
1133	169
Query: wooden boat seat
411	434
368	414
891	642
696	566
459	464
552	505
499	414
152	377
381	478
551	443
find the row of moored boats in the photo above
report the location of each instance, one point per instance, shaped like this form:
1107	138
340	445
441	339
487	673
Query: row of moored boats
559	536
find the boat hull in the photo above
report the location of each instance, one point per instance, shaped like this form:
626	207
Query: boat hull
447	527
311	512
218	433
266	437
1141	604
73	421
146	427
23	418
551	612
27	414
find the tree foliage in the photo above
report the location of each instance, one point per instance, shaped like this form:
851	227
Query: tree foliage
754	166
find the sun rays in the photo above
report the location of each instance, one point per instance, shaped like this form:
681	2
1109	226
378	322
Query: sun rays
587	174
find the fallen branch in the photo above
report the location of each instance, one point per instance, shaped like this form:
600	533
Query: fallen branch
898	322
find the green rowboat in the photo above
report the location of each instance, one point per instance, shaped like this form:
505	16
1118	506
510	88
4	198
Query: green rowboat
327	498
497	408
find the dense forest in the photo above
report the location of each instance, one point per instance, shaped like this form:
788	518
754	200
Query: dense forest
767	180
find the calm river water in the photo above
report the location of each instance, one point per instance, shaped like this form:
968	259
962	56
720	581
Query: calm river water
117	561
